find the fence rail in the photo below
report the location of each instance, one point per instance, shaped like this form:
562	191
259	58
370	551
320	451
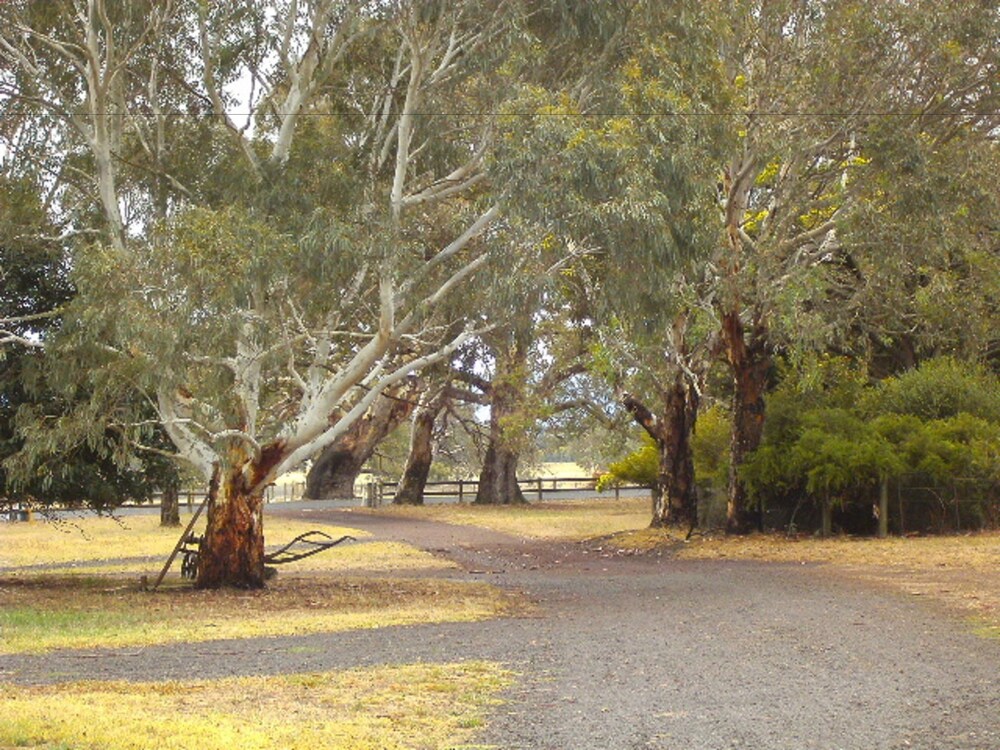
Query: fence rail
276	493
465	489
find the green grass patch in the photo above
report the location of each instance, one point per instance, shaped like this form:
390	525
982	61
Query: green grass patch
418	706
988	631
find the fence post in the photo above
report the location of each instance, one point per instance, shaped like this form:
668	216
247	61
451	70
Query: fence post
371	494
618	492
539	490
461	491
190	499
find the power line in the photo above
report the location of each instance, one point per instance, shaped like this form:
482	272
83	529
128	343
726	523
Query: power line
350	113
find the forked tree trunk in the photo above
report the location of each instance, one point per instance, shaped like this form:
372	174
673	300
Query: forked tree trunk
498	477
336	469
170	505
232	550
421	455
675	498
749	364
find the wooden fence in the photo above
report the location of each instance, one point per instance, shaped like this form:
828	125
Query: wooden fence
380	492
465	489
276	493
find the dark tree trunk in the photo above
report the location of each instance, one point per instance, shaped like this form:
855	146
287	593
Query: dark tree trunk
675	498
170	504
749	362
679	499
336	469
232	551
498	479
421	454
826	518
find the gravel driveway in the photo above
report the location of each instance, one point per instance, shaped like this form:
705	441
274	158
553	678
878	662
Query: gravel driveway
646	652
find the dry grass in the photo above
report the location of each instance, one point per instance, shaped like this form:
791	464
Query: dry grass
367	557
40	614
385	708
97	603
565	520
94	538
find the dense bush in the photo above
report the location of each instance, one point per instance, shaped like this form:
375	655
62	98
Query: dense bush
831	441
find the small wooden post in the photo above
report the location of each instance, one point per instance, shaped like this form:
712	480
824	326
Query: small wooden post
539	490
461	491
618	492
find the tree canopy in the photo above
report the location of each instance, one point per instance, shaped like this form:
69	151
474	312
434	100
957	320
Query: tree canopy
269	214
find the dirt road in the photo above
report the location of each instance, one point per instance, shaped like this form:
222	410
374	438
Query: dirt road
632	652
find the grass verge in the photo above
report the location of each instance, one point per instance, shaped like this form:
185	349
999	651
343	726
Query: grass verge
385	708
47	613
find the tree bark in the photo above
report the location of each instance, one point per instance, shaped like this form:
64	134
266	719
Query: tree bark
679	505
498	478
421	455
232	550
749	364
826	518
170	506
675	498
336	469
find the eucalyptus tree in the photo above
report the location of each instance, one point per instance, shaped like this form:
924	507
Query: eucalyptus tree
520	384
630	180
34	290
820	89
420	453
335	470
300	270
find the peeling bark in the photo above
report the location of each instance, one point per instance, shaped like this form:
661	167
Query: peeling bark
232	551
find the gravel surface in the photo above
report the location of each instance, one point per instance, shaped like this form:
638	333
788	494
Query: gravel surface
646	652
